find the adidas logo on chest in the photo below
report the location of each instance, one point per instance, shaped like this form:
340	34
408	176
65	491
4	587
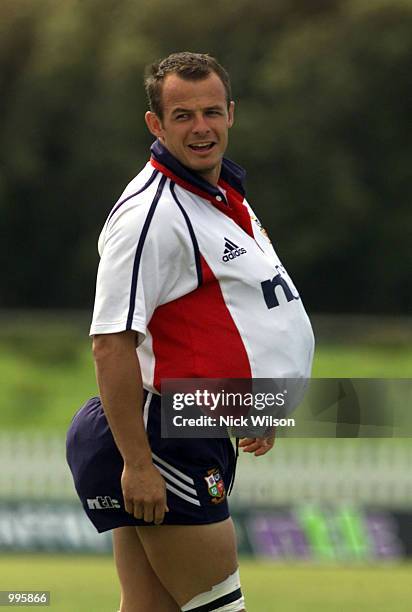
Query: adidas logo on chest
232	250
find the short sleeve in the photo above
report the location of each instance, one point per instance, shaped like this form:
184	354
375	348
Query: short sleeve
145	262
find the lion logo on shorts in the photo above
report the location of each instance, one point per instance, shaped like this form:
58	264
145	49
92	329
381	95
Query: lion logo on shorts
215	486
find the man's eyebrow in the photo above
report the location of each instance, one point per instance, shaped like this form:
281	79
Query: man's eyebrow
181	110
189	110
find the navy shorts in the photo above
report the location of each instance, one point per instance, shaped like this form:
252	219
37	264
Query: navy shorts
197	472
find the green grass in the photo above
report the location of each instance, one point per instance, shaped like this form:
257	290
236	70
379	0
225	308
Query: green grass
47	371
89	584
40	394
341	361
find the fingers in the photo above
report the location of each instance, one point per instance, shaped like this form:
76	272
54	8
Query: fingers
159	513
128	505
258	446
138	510
263	448
246	442
133	507
144	494
249	445
150	512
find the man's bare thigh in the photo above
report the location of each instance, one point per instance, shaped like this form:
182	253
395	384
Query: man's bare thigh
191	559
141	589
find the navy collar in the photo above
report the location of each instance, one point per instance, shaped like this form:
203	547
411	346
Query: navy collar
231	173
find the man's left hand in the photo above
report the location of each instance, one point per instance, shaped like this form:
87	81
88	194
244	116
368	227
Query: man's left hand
258	446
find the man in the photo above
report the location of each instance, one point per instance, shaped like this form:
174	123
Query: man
189	278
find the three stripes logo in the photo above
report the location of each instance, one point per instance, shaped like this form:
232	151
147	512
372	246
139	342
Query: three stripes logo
177	482
232	250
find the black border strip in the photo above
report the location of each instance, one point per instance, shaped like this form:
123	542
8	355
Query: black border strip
139	250
218	603
145	186
192	235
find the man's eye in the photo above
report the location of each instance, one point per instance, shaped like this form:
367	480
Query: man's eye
213	112
182	116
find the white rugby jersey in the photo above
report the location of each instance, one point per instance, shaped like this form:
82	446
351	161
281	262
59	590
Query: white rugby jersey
189	267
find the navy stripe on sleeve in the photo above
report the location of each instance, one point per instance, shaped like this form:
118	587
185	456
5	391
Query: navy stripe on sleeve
220	602
139	250
145	186
192	235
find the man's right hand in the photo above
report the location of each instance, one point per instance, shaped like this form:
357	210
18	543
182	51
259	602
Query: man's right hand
144	493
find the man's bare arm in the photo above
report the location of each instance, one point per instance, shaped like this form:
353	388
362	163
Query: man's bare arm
121	390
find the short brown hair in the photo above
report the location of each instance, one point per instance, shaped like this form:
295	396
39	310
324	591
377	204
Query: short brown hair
187	65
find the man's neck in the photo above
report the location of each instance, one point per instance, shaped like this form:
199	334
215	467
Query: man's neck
227	172
211	176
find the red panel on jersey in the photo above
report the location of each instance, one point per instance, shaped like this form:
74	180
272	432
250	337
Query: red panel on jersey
195	336
240	212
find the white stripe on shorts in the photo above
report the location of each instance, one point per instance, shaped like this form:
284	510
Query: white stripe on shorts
175	480
183	495
173	469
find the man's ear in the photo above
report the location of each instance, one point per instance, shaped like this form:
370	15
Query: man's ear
231	113
153	123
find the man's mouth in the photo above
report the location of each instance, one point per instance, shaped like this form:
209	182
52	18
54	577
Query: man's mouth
201	146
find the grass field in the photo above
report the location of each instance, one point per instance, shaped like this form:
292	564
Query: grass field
88	584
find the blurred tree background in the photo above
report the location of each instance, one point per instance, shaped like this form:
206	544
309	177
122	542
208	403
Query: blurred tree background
323	91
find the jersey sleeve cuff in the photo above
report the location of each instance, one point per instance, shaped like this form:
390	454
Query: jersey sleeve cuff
114	328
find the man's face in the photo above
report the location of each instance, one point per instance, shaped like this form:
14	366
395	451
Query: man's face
195	123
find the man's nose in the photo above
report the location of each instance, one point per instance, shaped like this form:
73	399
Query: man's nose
200	125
